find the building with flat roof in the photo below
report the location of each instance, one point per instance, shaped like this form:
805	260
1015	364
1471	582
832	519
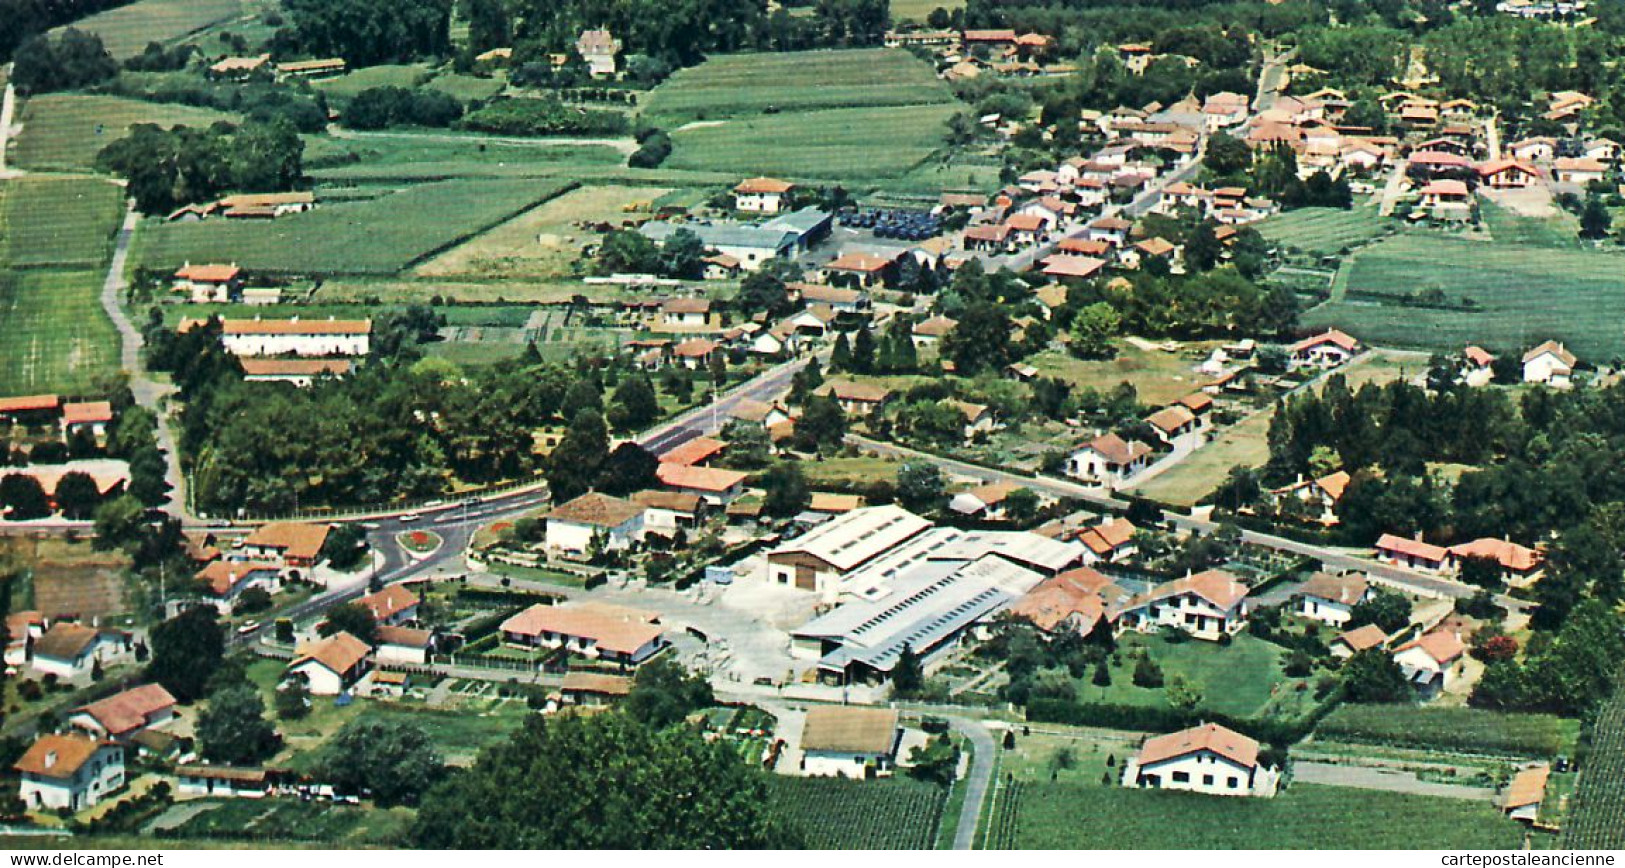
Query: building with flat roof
818	559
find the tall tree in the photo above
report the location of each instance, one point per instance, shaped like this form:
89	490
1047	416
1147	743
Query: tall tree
576	463
186	651
233	729
393	761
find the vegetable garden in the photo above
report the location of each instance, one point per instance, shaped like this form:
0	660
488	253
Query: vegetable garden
839	814
1469	730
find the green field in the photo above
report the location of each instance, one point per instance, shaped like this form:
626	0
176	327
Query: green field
1469	730
54	221
856	143
839	814
1323	231
917	10
1048	816
406	157
344	87
1244	444
378	236
126	30
57	337
467	88
1596	818
1526	295
745	85
292	820
1508	227
66	131
1242	679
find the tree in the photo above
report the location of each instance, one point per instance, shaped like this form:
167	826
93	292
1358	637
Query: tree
233	730
908	676
822	425
613	783
394	761
1093	329
627	251
840	356
1227	155
1389	610
683	256
863	352
786	492
1373	676
634	404
1595	220
186	651
352	618
980	341
1021	506
1183	696
664	693
936	761
293	697
119	521
345	546
921	487
1147	673
23	498
763	291
77	495
369	32
73	59
1102	676
578	460
630	468
1485	572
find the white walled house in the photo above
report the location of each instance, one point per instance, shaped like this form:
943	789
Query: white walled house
1208	605
70	650
1331	599
598	631
1108	460
205	284
69	771
1359	639
121	716
761	195
297	337
1204	759
850	741
403	645
1432	662
1550	363
332	665
572	526
1326	350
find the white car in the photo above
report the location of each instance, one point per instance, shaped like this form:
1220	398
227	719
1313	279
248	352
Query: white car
409	517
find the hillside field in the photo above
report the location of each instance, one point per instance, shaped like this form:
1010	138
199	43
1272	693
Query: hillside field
126	30
67	130
855	143
743	85
58	339
1525	294
378	236
1323	231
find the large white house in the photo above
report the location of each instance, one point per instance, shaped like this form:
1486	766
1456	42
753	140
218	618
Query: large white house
1549	363
69	771
332	665
69	650
1208	605
849	741
1204	759
615	523
1108	460
816	560
294	337
595	630
1331	599
761	195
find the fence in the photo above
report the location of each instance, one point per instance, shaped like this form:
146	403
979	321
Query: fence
377	509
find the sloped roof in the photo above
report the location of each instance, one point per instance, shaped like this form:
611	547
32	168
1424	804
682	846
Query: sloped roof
694	451
1117	450
1362	638
295	539
1212	737
1443	646
596	682
699	478
596	509
65	640
1505	552
1528	787
339	652
1411	547
614	628
389	601
404	636
1078	594
1109	535
1553	347
122	712
850	729
58	756
1346	589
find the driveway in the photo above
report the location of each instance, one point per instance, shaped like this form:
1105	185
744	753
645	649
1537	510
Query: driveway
1387	780
977	782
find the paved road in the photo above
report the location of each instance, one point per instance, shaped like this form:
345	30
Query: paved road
8	108
979	780
710	418
1387	780
148	393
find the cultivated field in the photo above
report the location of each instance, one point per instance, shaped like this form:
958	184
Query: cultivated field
1596	818
1462	729
1324	231
71	578
542	242
838	814
1306	816
68	222
57	337
378	236
1525	295
409	158
126	30
744	85
66	131
856	143
1554	229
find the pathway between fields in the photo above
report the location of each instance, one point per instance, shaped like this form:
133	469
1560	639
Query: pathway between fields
148	393
977	783
625	146
8	109
1387	780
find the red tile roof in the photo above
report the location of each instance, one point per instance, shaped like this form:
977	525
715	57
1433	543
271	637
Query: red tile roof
58	756
1212	737
296	326
87	413
340	652
1363	638
389	602
695	451
298	540
123	712
613	628
1442	646
1413	548
596	509
713	479
1508	554
29	403
209	273
763	185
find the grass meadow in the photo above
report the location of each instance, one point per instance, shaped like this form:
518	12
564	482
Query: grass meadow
746	85
857	143
57	221
66	131
1525	294
126	30
1324	231
379	236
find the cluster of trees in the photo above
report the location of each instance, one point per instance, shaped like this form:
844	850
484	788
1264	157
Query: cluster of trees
363	439
72	59
543	116
1218	303
654	146
366	32
628	251
1571	671
893	353
22	19
180	166
258	101
381	107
